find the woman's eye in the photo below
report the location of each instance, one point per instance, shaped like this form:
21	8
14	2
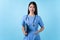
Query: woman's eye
30	7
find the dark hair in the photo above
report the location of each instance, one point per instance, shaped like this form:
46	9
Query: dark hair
34	3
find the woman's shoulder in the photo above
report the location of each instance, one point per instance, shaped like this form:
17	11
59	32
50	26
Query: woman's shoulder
38	16
24	17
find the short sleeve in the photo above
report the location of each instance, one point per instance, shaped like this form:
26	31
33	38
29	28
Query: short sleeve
40	22
23	21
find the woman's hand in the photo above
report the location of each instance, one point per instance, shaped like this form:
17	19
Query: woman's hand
25	33
42	28
37	32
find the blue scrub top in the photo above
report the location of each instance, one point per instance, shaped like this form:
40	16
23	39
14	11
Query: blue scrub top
37	21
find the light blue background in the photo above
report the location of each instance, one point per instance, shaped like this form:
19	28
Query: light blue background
12	11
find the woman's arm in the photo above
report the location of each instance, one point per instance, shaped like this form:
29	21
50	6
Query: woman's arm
41	29
24	31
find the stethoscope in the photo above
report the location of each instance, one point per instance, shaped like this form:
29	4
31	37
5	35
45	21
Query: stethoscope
33	20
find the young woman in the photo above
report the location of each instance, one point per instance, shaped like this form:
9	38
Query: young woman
32	20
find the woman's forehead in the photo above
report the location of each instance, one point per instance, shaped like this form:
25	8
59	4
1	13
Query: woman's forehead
32	5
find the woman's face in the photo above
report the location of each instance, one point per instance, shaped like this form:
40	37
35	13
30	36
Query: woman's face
32	8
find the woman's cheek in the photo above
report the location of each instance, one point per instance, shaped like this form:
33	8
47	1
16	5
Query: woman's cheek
30	9
34	9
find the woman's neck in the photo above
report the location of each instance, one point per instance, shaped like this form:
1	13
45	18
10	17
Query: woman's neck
31	14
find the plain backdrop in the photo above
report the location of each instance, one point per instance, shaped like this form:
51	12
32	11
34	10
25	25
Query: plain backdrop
12	11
